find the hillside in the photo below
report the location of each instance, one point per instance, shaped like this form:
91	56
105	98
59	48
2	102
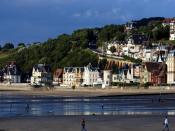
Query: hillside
73	49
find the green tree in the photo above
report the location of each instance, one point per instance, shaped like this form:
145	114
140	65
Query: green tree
21	45
112	49
102	63
8	46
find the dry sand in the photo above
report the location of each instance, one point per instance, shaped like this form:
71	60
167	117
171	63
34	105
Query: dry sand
80	92
93	123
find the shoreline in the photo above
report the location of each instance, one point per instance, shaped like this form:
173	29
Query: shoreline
82	92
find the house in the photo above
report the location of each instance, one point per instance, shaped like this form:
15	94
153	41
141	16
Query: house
133	50
118	46
147	55
81	76
172	30
166	22
159	56
136	73
41	75
90	76
171	67
12	74
130	26
107	77
131	73
73	76
154	72
170	22
116	78
138	39
58	76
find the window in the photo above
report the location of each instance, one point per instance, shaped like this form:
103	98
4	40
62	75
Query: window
115	78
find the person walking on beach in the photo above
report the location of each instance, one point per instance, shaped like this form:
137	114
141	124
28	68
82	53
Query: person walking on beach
166	127
102	109
83	125
27	108
102	106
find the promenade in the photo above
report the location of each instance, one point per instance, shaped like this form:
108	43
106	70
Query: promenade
80	92
93	123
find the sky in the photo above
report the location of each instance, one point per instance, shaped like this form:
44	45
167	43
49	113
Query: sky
31	21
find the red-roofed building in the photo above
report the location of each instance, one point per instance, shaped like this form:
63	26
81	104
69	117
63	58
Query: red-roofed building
154	72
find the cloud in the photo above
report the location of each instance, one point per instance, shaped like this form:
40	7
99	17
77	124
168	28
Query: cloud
87	13
77	15
63	16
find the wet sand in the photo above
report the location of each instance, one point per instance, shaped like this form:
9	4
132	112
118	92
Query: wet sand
93	123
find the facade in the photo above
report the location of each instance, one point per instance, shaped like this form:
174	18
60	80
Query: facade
90	75
73	76
172	30
107	77
171	67
147	55
41	75
154	72
116	78
12	73
131	74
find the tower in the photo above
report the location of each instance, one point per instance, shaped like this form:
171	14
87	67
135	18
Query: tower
171	67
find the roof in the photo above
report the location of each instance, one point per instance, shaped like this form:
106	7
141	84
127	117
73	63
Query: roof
42	68
74	69
12	69
168	20
160	52
157	68
58	72
152	66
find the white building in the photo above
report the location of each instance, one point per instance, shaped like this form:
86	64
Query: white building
129	74
130	26
107	77
171	67
116	78
147	55
41	75
12	73
73	76
90	75
166	22
172	30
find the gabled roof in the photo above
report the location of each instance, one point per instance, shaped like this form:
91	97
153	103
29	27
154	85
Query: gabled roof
12	69
42	68
73	69
151	66
157	68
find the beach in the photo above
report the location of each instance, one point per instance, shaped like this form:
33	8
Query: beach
93	123
81	92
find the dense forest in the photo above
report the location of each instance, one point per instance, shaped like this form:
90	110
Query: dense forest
74	49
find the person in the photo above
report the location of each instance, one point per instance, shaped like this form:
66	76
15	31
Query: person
102	106
83	125
27	108
166	127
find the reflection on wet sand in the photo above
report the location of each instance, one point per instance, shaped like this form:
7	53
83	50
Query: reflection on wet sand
126	105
